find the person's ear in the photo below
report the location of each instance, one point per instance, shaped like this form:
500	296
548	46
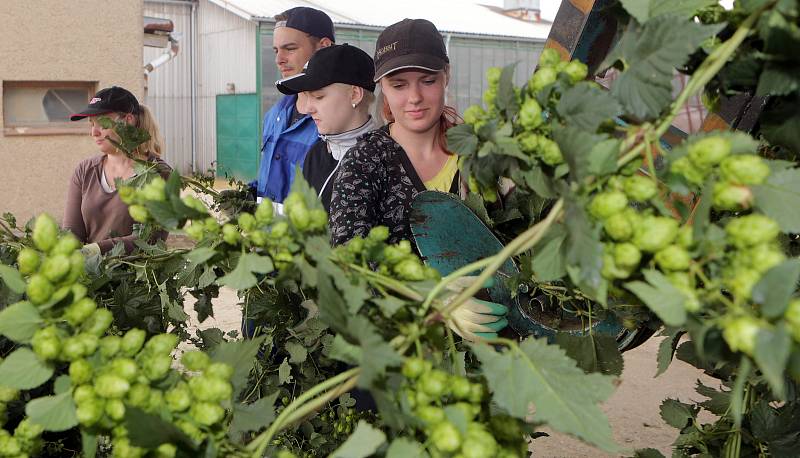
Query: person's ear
324	43
356	95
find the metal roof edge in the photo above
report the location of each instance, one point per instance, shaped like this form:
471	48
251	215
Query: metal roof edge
226	5
379	28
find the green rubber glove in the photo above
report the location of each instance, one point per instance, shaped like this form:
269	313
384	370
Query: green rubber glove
476	319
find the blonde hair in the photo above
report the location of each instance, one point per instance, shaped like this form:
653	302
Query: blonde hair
366	101
155	145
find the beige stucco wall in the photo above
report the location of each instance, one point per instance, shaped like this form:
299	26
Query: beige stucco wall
57	40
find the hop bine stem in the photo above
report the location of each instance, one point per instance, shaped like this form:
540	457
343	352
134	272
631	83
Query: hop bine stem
300	407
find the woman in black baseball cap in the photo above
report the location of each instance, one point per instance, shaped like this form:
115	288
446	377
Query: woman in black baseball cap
380	176
94	212
338	87
388	167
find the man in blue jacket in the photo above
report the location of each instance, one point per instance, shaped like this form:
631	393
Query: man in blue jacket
288	133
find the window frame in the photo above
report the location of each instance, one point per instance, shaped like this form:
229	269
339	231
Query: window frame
52	128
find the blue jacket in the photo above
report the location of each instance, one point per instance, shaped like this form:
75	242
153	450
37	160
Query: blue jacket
282	148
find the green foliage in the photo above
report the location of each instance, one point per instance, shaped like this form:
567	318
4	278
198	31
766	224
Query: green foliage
548	259
586	106
239	355
593	353
781	186
242	276
401	448
778	428
462	140
765	64
23	370
149	431
771	354
12	278
666	349
253	417
376	355
19	321
129	136
664	299
363	443
676	413
649	54
53	413
543	376
776	287
644	10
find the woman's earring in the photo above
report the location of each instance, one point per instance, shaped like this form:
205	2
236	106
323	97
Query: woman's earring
354	106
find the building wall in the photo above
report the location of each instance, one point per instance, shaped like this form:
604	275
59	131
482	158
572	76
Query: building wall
54	40
169	87
226	55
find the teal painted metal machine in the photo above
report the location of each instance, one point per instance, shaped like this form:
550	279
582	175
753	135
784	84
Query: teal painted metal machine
450	236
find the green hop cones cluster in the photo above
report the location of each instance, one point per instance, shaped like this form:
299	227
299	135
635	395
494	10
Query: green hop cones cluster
430	393
53	266
398	261
281	237
711	157
25	441
136	198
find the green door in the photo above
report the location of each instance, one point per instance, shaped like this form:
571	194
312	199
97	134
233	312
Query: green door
238	136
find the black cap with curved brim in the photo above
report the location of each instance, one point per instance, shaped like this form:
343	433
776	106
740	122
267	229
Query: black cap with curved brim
409	44
334	64
109	100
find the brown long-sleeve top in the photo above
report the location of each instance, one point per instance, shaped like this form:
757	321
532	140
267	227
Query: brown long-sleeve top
97	216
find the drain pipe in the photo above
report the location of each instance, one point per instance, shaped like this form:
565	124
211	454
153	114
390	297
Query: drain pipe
163	58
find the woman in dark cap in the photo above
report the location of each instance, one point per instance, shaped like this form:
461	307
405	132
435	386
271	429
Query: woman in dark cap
379	177
94	211
378	180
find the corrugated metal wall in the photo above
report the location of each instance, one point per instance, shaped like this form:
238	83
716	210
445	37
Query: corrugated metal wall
225	59
226	55
469	59
169	86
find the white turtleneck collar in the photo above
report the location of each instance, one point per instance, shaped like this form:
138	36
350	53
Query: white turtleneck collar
338	144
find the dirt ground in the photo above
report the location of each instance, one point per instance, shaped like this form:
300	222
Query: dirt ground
633	409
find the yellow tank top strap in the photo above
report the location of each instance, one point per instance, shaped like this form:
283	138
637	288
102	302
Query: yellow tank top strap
443	180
